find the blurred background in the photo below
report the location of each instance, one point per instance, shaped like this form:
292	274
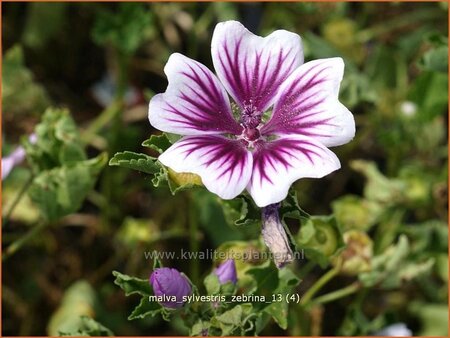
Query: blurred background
104	61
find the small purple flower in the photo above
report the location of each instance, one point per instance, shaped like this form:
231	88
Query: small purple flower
171	285
15	158
226	272
284	116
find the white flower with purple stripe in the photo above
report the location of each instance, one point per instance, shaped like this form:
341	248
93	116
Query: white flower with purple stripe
284	116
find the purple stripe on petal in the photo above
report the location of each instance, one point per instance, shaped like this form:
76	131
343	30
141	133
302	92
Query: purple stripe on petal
307	104
277	164
195	103
224	165
253	68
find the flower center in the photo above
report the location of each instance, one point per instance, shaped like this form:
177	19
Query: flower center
250	120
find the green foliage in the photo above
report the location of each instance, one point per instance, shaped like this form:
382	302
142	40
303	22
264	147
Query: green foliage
392	268
79	301
89	327
132	285
161	176
321	238
63	175
379	257
62	190
436	58
124	29
21	94
35	34
139	162
160	143
58	142
241	211
287	281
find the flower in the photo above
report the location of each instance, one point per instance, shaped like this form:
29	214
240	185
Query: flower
171	285
287	114
15	158
226	272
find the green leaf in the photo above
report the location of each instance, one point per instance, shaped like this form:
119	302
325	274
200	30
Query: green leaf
160	143
20	93
232	319
279	309
321	238
62	190
58	142
135	161
132	285
434	318
212	284
145	308
354	212
379	188
291	209
430	93
88	327
265	277
387	267
79	300
241	211
124	29
436	58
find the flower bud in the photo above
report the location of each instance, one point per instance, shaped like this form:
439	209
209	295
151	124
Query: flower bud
275	236
170	283
226	272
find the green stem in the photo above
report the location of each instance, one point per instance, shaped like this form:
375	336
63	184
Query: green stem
319	284
17	245
17	200
103	119
329	297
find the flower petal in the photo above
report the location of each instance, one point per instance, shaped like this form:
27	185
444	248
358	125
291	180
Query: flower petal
224	165
307	104
277	164
252	68
194	103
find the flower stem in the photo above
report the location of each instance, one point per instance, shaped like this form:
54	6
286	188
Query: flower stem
329	297
18	244
319	284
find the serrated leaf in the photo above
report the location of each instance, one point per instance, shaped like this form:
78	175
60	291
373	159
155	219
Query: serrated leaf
144	309
290	208
241	211
132	285
160	143
135	161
